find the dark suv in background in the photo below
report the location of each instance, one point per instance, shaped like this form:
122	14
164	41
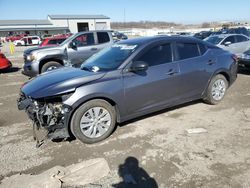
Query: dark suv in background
128	79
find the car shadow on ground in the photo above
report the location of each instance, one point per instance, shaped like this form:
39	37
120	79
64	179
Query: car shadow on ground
160	112
10	70
134	176
72	137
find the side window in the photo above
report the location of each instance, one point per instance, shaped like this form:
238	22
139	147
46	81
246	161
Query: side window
202	48
229	39
240	38
60	41
103	37
84	40
187	50
52	42
157	55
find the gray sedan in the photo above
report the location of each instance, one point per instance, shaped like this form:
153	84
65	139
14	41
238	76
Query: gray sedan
235	43
131	78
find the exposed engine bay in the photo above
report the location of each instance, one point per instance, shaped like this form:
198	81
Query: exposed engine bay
48	118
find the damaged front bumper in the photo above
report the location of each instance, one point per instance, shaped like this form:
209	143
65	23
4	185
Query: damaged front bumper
49	118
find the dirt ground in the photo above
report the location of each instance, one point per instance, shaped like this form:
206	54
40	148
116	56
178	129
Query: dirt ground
162	152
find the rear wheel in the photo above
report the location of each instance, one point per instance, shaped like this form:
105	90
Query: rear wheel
93	121
50	66
216	90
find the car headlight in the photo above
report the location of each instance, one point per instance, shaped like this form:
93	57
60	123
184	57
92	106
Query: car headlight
31	57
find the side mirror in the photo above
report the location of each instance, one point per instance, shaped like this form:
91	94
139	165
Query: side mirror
72	45
227	43
138	66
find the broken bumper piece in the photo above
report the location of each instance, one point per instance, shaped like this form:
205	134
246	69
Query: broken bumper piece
49	119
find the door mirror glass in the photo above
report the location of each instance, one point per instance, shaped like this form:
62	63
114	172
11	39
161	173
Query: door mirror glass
227	43
139	66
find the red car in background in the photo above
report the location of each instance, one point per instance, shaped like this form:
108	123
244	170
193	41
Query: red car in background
53	41
4	62
15	37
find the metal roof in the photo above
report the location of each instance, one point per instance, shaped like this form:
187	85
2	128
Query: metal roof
78	17
24	22
34	29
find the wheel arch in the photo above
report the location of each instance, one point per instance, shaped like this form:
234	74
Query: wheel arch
223	72
81	102
44	61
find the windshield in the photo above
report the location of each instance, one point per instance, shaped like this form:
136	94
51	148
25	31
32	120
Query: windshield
109	58
214	39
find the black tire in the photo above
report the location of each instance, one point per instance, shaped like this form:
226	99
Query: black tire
78	114
50	64
209	98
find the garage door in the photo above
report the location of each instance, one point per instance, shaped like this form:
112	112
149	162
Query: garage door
101	25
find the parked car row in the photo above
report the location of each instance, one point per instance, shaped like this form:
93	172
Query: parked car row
122	81
235	43
28	40
240	30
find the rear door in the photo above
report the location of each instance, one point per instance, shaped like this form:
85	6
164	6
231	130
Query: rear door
103	40
193	62
155	87
85	47
242	44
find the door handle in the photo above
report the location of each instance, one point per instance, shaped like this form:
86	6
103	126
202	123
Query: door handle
171	72
210	62
93	49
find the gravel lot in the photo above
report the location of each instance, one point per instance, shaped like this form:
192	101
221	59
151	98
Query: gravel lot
164	150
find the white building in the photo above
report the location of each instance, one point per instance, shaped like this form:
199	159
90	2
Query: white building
55	24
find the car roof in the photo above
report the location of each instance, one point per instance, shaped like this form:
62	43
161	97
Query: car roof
227	35
145	40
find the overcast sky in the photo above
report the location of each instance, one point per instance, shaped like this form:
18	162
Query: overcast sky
180	11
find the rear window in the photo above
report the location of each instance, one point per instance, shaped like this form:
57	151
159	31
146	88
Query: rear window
103	37
187	50
240	38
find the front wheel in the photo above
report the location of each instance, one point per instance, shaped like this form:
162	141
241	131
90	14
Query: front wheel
216	90
93	121
50	66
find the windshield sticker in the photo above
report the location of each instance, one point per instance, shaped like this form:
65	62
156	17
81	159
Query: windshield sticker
125	47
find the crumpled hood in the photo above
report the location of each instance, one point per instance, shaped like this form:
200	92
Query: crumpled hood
59	81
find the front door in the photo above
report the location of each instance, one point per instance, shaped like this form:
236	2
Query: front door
84	47
155	87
